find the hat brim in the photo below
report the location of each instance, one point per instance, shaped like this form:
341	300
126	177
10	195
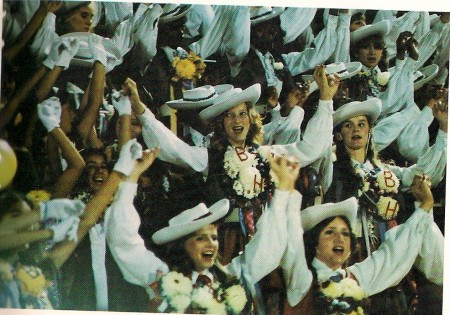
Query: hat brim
381	28
83	57
353	68
312	216
429	72
164	19
249	95
370	107
171	233
276	11
182	104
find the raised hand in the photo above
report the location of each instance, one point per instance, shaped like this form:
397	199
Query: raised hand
440	109
96	48
62	52
49	112
130	152
286	170
328	84
121	102
148	156
129	88
420	188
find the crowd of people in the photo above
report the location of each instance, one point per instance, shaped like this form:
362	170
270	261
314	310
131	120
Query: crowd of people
176	158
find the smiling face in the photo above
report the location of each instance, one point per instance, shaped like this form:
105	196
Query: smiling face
80	20
202	247
237	125
333	247
354	133
97	171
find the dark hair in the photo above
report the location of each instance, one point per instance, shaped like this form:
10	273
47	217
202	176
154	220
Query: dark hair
378	42
254	136
61	26
311	238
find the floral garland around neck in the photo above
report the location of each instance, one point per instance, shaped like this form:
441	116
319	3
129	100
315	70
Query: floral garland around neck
177	294
341	296
244	167
187	66
378	190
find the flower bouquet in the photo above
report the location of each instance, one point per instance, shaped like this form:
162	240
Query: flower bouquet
378	193
187	66
179	295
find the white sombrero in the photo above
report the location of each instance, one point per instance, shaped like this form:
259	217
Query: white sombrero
190	221
172	12
425	75
230	99
370	107
261	14
380	28
84	57
312	216
199	97
343	70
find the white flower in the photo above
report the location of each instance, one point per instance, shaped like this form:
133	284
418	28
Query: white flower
387	181
175	283
352	289
217	308
180	302
333	290
202	297
387	207
278	65
383	78
248	177
236	298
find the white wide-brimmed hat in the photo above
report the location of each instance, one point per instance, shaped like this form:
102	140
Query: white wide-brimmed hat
172	12
312	216
199	97
425	75
343	70
370	107
191	220
381	28
261	14
230	99
84	57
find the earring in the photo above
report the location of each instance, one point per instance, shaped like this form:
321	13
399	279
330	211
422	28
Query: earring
338	136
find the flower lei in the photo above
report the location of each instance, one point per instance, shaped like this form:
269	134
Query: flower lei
187	66
244	167
341	296
379	188
179	295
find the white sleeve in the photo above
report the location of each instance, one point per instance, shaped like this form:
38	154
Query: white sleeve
429	42
44	38
297	276
404	23
317	138
198	19
172	149
116	12
137	264
324	45
284	130
388	265
263	253
342	51
413	140
295	21
432	163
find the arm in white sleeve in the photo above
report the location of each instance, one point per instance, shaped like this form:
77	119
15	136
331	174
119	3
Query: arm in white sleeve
116	13
342	51
297	276
137	264
395	257
324	45
263	253
295	21
198	19
429	42
172	149
284	130
403	23
432	163
44	38
317	138
414	139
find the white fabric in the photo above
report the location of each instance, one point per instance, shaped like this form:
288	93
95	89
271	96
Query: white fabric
198	19
294	21
283	130
342	51
98	252
429	42
140	266
13	24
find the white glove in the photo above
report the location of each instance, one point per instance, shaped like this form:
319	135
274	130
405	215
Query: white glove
96	48
121	103
60	209
62	52
130	152
66	229
49	112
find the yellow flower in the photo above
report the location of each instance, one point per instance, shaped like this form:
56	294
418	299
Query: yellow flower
36	196
184	69
31	280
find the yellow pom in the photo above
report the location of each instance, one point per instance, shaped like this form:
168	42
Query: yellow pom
31	280
36	196
185	69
